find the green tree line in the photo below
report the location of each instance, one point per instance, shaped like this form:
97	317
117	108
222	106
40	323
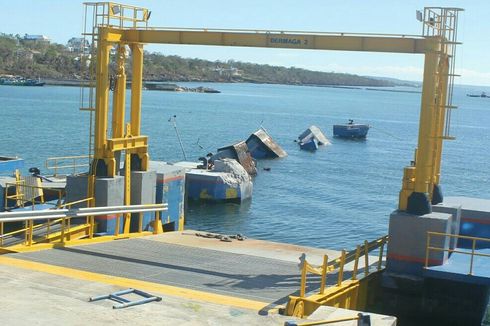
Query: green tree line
34	59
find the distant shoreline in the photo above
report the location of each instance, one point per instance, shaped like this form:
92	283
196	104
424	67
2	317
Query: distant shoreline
78	83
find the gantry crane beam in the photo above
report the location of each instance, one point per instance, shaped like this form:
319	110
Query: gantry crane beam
272	39
420	179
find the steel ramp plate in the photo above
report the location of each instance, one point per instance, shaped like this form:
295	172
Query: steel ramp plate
239	275
457	268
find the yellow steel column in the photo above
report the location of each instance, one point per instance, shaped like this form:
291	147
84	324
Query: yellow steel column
419	200
136	87
119	96
441	112
136	93
101	98
425	141
127	183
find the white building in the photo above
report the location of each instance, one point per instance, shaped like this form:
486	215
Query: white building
78	44
36	38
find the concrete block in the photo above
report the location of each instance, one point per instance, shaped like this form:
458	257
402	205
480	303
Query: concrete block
143	190
76	189
109	192
455	211
408	240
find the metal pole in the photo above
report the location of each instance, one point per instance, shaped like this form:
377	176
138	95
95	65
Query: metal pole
172	119
472	256
366	258
302	289
427	250
380	259
341	269
324	274
356	263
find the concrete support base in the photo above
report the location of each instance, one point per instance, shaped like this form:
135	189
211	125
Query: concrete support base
76	189
143	184
408	241
109	192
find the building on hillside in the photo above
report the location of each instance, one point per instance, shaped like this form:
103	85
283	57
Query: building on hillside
228	72
78	45
36	38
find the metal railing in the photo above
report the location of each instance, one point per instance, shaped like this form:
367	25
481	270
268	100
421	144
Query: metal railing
118	15
339	264
31	227
63	216
296	305
20	197
72	163
474	240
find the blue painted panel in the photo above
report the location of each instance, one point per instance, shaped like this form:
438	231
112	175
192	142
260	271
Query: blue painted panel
2	199
350	131
310	145
8	164
257	149
172	193
174	196
473	229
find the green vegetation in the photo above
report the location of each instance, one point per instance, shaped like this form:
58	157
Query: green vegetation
33	59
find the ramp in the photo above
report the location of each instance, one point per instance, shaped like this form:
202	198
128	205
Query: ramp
458	266
239	275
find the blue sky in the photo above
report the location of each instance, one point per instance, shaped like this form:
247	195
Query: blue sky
63	19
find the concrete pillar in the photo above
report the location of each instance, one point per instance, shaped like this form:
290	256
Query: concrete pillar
455	211
109	192
76	189
143	189
408	241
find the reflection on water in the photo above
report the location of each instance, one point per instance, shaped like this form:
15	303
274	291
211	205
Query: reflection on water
225	217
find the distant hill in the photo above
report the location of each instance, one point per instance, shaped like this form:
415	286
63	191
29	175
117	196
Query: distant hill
399	82
33	59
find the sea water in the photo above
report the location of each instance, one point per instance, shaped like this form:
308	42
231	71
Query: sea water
334	198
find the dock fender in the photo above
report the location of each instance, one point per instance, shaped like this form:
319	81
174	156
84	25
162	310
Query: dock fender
418	204
437	197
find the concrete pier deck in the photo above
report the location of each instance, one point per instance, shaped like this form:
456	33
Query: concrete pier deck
241	282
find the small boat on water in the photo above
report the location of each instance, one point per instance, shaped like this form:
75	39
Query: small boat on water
311	138
176	88
224	180
351	130
10	80
483	94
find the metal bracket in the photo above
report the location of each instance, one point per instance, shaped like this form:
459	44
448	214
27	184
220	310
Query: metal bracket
123	302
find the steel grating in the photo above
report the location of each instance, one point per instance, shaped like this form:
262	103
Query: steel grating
238	275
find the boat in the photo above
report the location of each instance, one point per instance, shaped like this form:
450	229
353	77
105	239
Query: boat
240	152
483	94
311	138
10	80
261	145
223	180
351	130
176	88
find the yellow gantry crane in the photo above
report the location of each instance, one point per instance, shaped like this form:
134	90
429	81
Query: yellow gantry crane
126	27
